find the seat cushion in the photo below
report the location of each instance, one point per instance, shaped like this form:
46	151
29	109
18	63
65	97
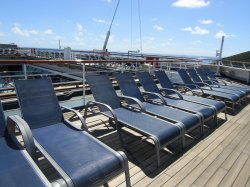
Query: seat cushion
219	105
231	97
161	129
189	120
224	90
15	169
81	156
182	104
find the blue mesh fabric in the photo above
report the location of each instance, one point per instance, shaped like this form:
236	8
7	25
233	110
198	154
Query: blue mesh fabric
103	91
163	130
82	157
185	78
163	79
147	82
194	75
196	78
15	169
38	102
128	86
2	121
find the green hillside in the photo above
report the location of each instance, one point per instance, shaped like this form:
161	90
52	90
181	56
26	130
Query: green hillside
239	57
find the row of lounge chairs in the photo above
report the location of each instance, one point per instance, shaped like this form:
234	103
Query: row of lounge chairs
162	115
199	81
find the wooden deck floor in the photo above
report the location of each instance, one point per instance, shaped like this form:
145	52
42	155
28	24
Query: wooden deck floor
220	158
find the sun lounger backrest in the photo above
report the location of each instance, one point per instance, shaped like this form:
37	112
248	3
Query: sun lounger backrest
128	85
2	121
210	74
38	102
185	77
194	75
103	91
202	74
147	82
163	79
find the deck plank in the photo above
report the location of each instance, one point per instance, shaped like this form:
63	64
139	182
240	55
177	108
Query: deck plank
234	171
243	175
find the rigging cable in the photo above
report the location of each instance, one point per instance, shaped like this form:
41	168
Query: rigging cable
131	25
139	14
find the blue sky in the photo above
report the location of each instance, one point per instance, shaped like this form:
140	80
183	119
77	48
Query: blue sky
182	27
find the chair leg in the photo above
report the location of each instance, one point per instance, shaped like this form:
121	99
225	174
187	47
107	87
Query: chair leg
225	113
183	142
127	175
158	155
216	120
202	130
106	185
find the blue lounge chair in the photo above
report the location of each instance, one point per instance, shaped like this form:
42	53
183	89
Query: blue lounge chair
197	80
149	85
169	89
202	74
161	132
220	81
79	158
188	83
208	76
129	88
17	168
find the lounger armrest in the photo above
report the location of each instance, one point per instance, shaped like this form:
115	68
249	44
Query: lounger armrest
214	84
220	81
159	96
196	86
16	122
166	90
91	104
205	84
208	81
137	101
84	126
187	88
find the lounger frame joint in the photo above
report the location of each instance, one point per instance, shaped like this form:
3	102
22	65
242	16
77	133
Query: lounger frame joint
15	122
137	101
83	126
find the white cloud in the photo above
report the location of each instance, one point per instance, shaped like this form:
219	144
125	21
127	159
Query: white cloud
158	28
100	21
196	30
150	38
191	3
79	27
222	33
219	25
49	32
206	21
23	32
154	19
2	34
108	1
78	36
196	42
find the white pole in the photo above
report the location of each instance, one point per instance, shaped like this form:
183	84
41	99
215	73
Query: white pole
25	71
83	83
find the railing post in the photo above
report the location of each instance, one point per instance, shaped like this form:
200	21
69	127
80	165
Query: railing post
83	83
122	67
25	71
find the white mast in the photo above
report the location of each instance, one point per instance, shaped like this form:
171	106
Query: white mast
220	55
108	33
